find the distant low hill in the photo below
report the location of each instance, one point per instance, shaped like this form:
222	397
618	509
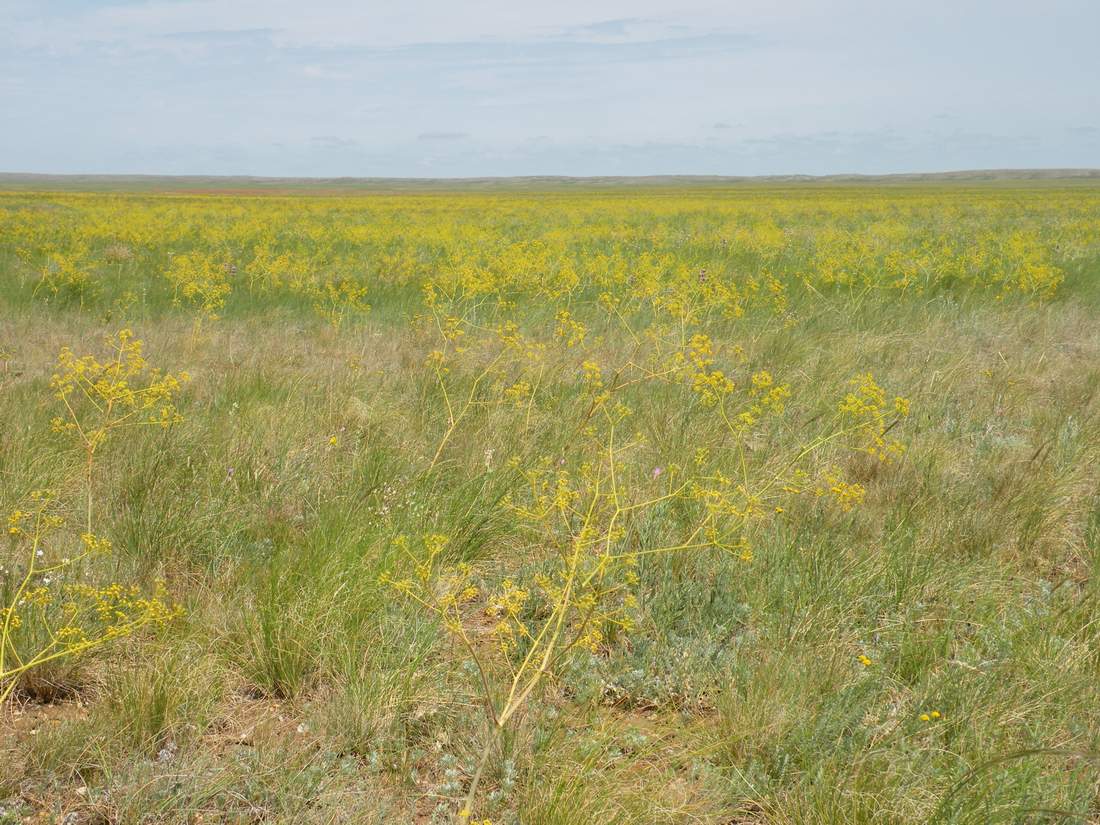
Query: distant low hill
244	183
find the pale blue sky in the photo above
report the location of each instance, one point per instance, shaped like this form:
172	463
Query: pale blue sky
505	87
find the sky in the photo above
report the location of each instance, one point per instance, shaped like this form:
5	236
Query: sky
464	88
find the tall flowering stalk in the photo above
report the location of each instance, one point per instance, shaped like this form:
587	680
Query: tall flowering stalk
46	612
119	392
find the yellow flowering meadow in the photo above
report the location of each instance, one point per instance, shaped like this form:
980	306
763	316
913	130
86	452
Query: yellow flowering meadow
662	505
724	252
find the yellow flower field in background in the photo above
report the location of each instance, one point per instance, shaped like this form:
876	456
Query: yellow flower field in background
726	251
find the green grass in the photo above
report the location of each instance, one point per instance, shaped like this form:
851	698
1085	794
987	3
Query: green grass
299	688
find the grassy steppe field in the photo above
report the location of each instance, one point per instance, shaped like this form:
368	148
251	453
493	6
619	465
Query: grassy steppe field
728	505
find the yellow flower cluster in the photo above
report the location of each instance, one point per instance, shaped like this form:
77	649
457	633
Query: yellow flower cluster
198	279
121	390
72	616
866	408
506	607
118	392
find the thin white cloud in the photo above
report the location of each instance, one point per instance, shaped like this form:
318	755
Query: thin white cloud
334	23
442	136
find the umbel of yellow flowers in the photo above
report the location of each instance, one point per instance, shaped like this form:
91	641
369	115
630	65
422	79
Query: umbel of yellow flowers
118	392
